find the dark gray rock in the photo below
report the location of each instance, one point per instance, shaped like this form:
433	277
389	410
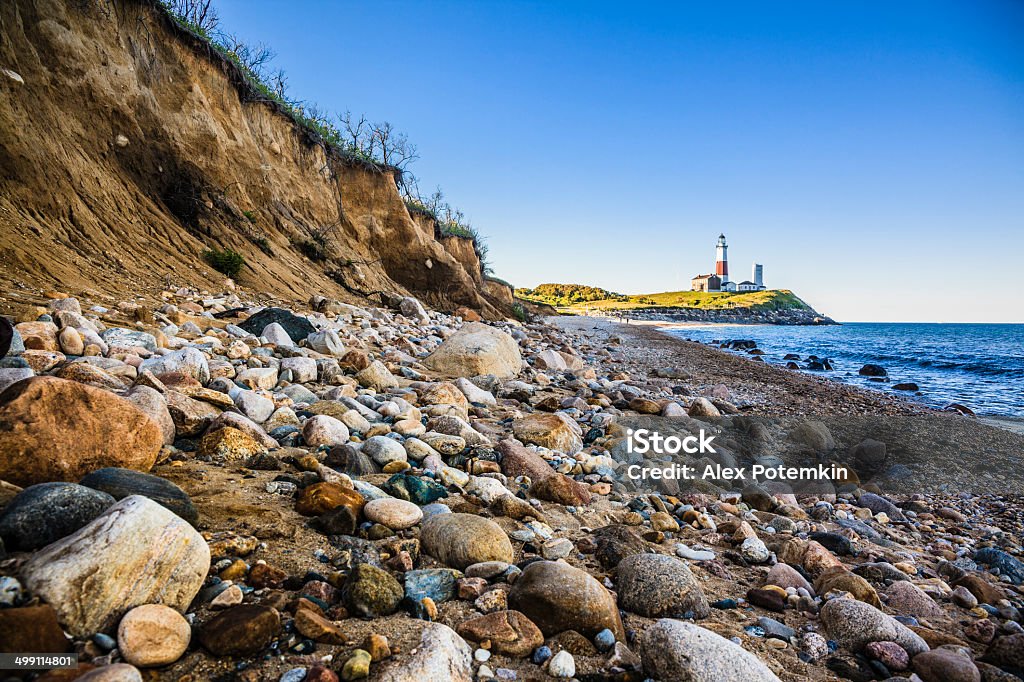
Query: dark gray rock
6	335
871	370
999	560
298	328
44	513
120	483
659	586
877	504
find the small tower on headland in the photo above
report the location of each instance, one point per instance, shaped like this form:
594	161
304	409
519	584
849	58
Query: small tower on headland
722	260
758	276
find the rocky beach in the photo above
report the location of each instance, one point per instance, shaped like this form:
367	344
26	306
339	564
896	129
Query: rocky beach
199	486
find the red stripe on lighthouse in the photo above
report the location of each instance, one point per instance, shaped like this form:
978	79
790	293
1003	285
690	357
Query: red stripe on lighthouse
721	268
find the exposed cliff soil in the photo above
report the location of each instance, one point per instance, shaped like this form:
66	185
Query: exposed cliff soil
129	148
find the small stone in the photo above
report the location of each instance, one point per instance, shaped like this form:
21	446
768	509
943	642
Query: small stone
321	498
311	624
243	630
604	640
891	655
377	645
228	445
232	596
324	430
372	592
383	450
395	514
562	665
510	632
153	635
357	666
963	598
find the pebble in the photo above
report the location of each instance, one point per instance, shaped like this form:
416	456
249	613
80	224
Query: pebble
395	514
562	665
153	635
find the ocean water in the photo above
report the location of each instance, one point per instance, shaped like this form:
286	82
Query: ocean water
977	365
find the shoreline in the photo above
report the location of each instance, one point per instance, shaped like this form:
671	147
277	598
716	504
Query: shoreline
761	387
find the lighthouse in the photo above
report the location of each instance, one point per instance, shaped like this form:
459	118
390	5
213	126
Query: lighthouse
722	260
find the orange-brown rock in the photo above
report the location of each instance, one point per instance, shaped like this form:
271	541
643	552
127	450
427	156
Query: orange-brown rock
838	578
509	632
319	498
39	335
57	430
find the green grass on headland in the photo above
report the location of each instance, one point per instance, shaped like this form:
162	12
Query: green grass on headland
577	298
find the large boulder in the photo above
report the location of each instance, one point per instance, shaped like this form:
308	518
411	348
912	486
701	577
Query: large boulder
460	540
477	349
684	652
559	597
440	655
854	624
152	402
57	430
135	553
46	512
122	483
189	361
297	327
552	431
659	586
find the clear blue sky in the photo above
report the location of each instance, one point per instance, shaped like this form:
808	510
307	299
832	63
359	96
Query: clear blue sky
870	154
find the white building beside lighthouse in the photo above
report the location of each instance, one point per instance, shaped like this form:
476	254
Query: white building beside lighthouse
719	280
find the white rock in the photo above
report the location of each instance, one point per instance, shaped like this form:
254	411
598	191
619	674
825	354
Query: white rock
414	310
487	489
253	405
276	335
326	342
137	552
383	450
562	664
440	655
188	360
677	650
324	430
474	393
303	369
258	377
394	513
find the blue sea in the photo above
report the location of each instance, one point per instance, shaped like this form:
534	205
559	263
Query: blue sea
977	365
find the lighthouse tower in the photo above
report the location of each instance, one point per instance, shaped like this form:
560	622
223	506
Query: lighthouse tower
722	260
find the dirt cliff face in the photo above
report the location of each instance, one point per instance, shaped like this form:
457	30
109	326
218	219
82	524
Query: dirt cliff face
126	149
